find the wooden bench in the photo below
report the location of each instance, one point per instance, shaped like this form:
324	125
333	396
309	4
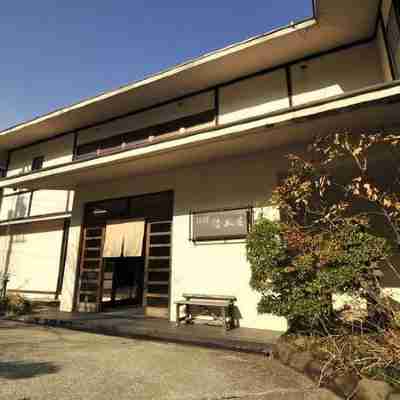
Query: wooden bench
204	304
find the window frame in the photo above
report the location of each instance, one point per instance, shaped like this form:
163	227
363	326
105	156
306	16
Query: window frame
37	163
394	23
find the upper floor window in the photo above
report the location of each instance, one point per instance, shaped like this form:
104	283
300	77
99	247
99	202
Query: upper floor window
37	163
393	34
135	138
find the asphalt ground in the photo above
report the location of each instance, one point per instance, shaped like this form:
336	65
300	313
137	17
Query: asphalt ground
39	363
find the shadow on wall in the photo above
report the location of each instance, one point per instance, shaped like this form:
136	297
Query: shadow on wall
69	289
16	236
13	370
20	210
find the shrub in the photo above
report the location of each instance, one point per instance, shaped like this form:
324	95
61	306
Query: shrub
3	305
297	272
17	304
332	205
375	356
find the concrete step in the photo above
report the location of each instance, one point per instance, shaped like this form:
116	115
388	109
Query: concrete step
168	332
281	394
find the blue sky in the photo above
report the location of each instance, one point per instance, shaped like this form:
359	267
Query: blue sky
55	53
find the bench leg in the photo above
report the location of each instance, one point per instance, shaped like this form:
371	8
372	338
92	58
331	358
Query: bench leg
178	317
232	316
224	319
188	319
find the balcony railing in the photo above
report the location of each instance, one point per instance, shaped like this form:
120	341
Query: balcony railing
140	137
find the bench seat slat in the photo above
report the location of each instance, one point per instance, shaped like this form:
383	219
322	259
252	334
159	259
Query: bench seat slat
204	303
208	296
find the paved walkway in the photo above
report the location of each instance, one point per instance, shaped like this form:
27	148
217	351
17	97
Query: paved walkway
39	363
131	323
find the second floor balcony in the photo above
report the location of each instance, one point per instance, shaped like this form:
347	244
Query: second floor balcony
368	110
248	97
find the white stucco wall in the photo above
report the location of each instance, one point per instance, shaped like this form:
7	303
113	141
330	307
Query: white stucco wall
31	255
55	152
15	206
315	79
214	268
30	252
336	73
254	96
43	202
51	201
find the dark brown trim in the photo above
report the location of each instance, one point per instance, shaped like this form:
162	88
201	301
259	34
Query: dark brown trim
67	202
5	170
35	218
396	5
216	105
8	161
316	103
30	203
170	303
244	77
315	9
190	225
30	291
210	210
212	239
380	7
378	16
289	85
63	257
75	145
386	43
136	196
394	12
75	299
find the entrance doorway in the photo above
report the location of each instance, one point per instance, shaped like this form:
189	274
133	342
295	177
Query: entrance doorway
111	273
123	281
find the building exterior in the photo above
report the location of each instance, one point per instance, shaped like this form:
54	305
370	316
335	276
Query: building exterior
177	157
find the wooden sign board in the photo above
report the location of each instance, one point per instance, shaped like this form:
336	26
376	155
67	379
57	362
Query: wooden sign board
221	225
